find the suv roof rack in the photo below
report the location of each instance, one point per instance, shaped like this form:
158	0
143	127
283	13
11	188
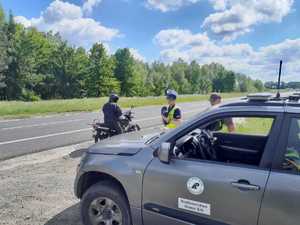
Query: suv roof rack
259	97
295	97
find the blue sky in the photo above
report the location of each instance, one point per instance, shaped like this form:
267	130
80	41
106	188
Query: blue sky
247	36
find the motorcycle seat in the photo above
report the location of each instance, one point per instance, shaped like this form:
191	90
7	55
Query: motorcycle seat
103	127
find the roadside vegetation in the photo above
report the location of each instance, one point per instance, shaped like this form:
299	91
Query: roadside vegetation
16	109
255	126
251	126
42	66
36	68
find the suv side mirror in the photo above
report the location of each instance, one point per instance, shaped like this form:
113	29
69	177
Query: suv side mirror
164	152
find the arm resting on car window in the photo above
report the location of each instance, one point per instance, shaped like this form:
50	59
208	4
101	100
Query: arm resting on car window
230	125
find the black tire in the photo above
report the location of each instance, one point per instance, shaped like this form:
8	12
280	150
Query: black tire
105	189
103	136
137	127
134	128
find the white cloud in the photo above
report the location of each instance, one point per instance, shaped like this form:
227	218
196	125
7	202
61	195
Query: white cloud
168	5
59	10
137	55
232	18
261	63
219	4
237	17
22	20
178	38
89	5
68	20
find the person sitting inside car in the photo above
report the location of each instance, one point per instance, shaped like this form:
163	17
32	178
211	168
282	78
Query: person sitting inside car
216	99
112	113
171	114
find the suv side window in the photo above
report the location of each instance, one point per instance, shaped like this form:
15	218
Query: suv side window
292	154
230	140
247	125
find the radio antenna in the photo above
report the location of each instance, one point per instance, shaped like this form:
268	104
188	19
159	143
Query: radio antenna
279	80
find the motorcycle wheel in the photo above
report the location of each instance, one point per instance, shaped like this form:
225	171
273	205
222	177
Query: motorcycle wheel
137	127
103	136
100	136
134	128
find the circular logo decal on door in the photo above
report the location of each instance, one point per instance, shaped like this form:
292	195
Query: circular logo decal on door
195	186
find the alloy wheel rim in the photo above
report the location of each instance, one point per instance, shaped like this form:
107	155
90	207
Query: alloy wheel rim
104	211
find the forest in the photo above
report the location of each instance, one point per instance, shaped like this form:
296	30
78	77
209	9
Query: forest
35	65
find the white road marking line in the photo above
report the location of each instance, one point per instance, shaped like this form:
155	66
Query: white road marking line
44	136
7	121
41	124
53	135
69	132
75	120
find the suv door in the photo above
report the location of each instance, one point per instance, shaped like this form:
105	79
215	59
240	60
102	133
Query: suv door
204	192
282	196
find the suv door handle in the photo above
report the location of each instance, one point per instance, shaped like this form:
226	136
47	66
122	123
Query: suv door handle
244	185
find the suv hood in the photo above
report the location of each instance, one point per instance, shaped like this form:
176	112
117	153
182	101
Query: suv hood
124	145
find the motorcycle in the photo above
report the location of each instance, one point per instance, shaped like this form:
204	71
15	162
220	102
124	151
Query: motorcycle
101	131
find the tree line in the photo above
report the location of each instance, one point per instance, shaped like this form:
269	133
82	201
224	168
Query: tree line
283	85
37	65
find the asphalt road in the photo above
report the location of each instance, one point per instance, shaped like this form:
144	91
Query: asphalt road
24	136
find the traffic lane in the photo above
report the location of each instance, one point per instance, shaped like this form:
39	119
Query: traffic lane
40	124
26	139
20	147
52	131
41	143
9	136
34	130
47	119
36	145
27	132
144	123
59	124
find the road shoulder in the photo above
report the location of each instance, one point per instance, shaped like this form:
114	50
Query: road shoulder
38	189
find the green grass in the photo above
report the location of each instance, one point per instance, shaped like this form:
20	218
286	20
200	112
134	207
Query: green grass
252	126
18	109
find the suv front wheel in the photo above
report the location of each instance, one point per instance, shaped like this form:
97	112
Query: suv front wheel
104	203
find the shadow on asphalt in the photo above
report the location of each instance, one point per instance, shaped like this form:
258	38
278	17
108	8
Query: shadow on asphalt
78	153
70	216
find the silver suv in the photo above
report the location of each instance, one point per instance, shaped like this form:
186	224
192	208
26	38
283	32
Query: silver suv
202	172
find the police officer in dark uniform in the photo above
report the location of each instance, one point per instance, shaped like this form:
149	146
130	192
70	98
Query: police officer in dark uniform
112	113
